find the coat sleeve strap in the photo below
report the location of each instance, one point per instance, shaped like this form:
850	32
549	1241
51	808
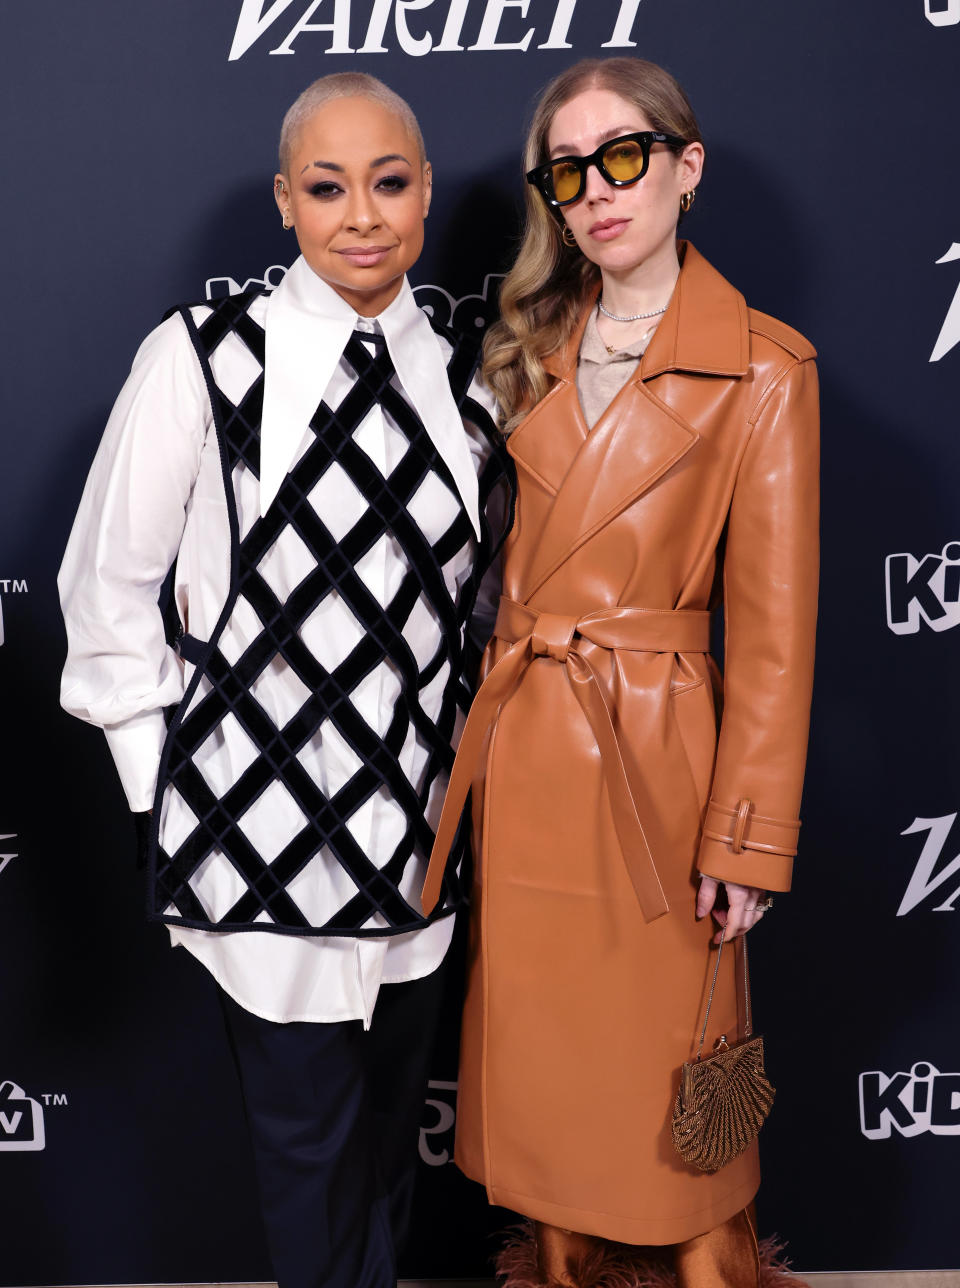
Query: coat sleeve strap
763	847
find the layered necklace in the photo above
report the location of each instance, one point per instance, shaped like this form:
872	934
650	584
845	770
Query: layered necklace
632	317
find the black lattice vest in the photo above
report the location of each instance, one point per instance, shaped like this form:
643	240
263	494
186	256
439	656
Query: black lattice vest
369	900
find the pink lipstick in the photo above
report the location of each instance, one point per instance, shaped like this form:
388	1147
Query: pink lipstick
607	229
365	256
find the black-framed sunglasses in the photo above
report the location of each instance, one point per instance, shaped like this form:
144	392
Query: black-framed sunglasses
621	161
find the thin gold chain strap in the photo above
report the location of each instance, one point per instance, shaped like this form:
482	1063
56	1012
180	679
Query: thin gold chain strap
748	1010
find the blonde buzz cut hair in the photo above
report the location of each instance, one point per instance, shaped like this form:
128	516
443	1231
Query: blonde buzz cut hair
344	85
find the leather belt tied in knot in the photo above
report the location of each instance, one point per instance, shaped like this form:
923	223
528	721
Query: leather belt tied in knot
552	635
557	636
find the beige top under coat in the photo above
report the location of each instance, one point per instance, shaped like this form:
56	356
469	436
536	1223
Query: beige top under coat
602	374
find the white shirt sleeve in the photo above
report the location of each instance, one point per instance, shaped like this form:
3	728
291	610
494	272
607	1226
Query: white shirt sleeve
119	672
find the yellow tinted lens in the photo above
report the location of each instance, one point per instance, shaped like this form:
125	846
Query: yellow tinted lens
624	160
566	181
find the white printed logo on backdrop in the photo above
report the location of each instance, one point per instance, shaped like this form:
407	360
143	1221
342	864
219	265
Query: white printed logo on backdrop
934	882
22	1128
217	287
470	312
5	838
436	1136
10	586
949	335
21	1120
449	28
923	590
942	13
923	1100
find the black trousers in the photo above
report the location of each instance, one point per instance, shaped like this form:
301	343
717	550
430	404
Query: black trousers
334	1115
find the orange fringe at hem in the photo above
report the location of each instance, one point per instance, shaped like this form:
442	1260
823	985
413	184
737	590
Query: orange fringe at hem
619	1265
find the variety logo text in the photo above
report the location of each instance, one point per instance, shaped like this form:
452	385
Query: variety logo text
950	331
932	877
419	27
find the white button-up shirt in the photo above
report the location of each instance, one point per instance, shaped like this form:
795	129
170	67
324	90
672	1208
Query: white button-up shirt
155	495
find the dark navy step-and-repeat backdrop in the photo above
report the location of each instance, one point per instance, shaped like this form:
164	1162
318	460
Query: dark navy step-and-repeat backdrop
137	158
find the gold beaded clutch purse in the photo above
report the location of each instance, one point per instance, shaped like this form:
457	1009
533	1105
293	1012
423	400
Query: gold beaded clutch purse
723	1099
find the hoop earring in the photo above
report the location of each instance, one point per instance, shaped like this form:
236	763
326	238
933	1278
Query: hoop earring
286	226
687	199
568	240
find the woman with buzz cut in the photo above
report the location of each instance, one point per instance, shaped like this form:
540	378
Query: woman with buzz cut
320	467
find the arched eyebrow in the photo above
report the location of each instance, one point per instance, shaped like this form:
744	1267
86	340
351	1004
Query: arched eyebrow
566	149
378	161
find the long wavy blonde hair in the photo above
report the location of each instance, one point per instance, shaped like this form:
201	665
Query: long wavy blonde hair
544	293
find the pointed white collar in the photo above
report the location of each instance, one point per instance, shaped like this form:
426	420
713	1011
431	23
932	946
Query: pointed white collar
307	328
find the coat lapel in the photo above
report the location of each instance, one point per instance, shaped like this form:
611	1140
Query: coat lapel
596	475
633	444
705	329
548	441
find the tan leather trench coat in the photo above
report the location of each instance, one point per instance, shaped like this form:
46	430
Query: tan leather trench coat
605	773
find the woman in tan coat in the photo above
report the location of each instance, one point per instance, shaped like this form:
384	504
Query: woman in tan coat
665	438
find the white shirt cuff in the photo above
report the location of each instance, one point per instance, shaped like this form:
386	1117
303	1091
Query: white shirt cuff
136	745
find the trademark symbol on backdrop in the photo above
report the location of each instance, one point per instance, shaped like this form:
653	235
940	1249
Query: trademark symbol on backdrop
22	1126
923	1100
923	590
950	331
10	586
942	13
384	25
